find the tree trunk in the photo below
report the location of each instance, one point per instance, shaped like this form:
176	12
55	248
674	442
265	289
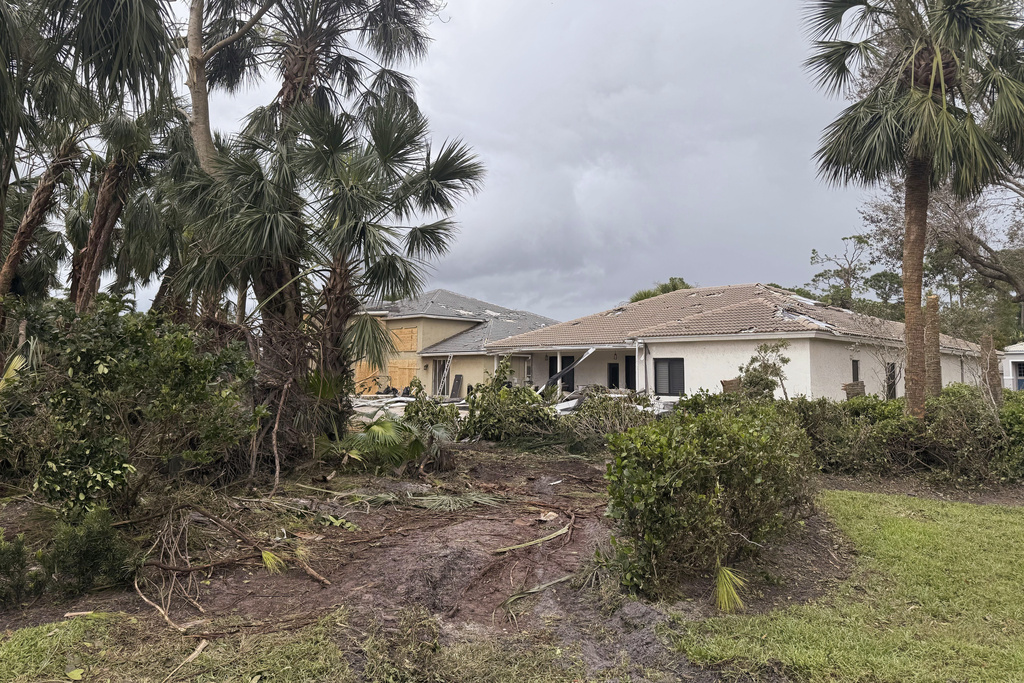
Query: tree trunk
933	352
168	301
241	294
918	185
109	203
38	207
202	133
992	380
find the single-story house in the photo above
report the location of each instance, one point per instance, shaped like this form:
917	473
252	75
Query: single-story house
693	339
440	337
1011	366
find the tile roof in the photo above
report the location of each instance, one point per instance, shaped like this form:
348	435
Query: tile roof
440	303
500	327
710	311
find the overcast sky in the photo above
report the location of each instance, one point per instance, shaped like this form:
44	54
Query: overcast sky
625	143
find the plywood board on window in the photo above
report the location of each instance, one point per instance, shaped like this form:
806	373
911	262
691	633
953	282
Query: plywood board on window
405	338
401	372
367	378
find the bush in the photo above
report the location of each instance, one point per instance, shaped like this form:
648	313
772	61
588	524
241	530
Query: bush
85	549
499	411
115	397
601	414
694	491
14	578
428	412
962	436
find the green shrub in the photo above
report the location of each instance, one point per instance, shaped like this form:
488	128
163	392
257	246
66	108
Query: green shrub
117	397
86	550
499	413
601	414
14	579
694	491
962	436
425	411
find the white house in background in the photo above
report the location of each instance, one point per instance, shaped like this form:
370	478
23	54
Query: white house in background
692	339
1011	366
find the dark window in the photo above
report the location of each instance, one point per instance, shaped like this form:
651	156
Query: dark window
890	381
1020	369
856	370
631	373
568	381
668	377
613	375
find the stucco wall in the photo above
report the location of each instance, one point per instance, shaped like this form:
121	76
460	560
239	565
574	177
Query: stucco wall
817	368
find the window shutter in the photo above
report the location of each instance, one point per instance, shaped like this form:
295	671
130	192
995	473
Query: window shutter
676	385
661	377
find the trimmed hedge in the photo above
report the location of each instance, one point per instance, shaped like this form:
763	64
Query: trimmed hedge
698	489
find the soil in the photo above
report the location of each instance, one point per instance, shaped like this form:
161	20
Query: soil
445	562
922	486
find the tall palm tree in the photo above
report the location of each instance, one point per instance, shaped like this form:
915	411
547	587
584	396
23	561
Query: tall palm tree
939	98
320	47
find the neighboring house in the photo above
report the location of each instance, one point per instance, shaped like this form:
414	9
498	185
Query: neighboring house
692	339
441	336
1011	366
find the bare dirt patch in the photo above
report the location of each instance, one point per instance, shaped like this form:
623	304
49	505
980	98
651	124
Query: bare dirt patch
402	557
925	487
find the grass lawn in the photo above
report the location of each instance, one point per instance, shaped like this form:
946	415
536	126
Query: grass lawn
937	595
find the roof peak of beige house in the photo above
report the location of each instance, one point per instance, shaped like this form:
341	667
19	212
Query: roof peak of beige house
752	309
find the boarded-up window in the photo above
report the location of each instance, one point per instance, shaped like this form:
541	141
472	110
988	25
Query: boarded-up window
668	376
405	338
401	372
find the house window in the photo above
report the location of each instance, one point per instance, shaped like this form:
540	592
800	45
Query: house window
668	377
856	370
528	371
890	381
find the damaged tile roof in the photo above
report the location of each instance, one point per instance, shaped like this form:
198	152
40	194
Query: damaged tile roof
475	339
440	303
711	311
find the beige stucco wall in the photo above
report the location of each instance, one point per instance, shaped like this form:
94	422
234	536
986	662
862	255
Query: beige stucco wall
594	370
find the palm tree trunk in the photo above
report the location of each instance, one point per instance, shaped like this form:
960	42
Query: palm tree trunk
933	351
202	133
38	207
918	186
109	203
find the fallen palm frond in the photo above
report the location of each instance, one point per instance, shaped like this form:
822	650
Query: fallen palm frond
728	585
507	603
450	503
536	541
11	371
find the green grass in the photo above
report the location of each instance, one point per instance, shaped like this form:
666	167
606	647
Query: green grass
117	648
937	595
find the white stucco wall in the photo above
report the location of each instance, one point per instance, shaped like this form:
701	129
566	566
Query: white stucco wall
818	367
707	363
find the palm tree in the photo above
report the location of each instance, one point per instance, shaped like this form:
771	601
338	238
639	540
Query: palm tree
320	48
938	91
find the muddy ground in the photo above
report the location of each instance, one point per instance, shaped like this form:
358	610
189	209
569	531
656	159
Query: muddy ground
389	554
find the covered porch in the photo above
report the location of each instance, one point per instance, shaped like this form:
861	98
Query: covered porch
612	367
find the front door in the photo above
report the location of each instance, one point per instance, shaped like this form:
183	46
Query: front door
613	375
631	373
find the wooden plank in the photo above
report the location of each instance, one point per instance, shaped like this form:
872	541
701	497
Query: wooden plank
401	372
405	338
